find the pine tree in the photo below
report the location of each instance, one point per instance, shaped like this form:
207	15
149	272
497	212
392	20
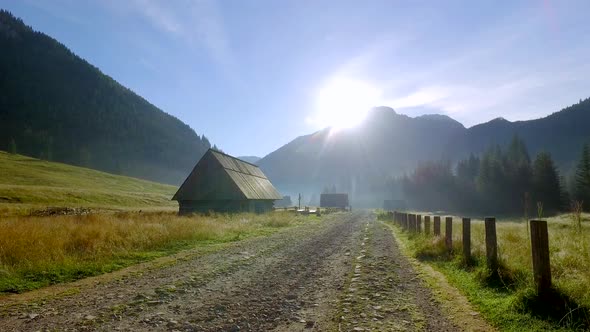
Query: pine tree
582	179
565	194
518	173
517	152
13	146
206	142
547	188
468	169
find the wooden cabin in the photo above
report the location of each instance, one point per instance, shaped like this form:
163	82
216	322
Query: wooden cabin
222	183
339	201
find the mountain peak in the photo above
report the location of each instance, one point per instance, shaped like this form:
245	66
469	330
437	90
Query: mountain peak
380	114
498	119
384	109
440	118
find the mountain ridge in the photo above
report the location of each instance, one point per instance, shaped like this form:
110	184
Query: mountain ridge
393	144
250	159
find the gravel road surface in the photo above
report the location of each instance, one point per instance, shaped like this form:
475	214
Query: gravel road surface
344	273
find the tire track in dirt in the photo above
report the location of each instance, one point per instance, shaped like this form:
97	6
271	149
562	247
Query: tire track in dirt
383	293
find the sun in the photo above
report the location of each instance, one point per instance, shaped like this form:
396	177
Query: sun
344	102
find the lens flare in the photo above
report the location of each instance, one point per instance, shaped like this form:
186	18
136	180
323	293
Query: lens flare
344	102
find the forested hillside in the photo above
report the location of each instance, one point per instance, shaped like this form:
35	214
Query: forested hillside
561	133
56	106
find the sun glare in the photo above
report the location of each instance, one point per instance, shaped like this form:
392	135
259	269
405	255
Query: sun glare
344	103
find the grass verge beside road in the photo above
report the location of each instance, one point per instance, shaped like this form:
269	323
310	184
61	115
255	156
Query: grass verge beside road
453	303
509	302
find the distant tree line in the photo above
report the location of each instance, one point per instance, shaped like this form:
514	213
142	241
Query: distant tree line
500	181
581	181
330	189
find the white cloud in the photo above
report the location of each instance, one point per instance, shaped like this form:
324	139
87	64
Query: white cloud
159	16
207	29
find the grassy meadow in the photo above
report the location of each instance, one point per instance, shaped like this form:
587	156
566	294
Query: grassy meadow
508	300
39	251
27	184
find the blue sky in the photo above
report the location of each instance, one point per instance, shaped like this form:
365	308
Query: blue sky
247	73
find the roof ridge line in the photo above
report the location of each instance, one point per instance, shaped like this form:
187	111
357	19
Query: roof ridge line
236	158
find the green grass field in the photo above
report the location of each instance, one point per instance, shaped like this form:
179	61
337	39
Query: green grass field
28	184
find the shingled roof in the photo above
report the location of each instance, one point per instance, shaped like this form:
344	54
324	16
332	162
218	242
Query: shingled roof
219	176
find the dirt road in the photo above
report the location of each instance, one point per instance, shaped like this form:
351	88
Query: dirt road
344	273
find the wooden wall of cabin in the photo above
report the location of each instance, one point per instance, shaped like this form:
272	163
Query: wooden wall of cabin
225	206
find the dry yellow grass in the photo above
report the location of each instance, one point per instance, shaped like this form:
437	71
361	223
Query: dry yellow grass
36	251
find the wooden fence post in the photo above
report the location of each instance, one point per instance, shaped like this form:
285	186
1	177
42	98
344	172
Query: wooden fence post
449	233
406	221
418	223
540	249
412	223
436	225
491	243
426	224
467	239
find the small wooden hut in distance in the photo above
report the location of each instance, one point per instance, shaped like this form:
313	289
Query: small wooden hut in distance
339	201
222	183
